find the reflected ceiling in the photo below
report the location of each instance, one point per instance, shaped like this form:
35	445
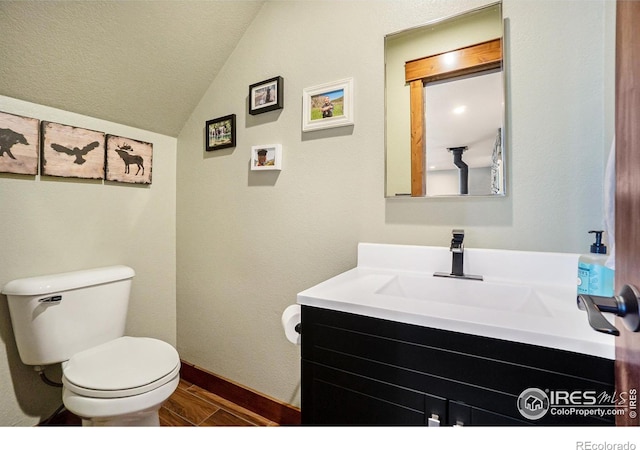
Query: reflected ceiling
468	115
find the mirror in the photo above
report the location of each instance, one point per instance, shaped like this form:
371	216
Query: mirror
444	95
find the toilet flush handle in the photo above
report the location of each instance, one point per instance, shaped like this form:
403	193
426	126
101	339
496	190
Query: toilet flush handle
624	305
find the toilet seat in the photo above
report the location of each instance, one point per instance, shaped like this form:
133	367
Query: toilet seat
124	367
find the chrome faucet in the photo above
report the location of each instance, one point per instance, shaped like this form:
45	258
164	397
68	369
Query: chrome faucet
457	263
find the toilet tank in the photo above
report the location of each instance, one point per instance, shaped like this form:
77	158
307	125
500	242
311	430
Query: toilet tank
57	316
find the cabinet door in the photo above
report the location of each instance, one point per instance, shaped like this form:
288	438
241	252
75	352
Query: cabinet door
335	397
435	410
483	417
461	414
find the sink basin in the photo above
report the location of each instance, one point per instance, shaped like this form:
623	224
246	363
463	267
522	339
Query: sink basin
467	293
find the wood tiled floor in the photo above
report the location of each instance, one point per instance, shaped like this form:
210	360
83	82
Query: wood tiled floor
192	406
189	406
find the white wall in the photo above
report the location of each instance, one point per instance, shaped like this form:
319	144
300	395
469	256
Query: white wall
50	225
249	241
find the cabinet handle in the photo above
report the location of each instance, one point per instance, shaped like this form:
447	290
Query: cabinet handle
433	421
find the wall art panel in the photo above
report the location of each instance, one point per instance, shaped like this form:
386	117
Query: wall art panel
128	160
19	144
73	152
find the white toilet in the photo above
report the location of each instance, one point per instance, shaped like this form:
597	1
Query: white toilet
78	319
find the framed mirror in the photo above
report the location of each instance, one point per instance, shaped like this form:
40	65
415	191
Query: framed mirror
445	108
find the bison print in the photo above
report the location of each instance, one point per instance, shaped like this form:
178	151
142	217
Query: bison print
19	139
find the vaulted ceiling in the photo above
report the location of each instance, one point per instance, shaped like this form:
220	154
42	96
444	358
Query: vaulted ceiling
145	64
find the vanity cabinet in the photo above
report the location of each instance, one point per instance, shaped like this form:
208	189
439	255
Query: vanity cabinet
359	370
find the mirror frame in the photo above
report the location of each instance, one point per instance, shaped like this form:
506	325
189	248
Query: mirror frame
439	36
467	60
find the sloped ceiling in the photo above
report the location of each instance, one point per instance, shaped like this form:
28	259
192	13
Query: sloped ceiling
145	64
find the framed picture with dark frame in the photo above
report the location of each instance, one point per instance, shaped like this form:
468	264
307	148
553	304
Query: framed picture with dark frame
221	132
267	95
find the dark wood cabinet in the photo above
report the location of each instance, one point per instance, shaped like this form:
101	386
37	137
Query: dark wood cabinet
358	370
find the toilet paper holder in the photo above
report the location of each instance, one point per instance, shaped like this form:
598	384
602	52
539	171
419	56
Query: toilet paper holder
292	323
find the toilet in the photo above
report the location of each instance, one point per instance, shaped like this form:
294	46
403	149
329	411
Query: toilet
78	319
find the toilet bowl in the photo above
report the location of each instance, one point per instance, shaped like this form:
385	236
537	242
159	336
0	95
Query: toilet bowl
123	382
78	319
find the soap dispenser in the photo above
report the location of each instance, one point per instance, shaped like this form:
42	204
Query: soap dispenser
594	278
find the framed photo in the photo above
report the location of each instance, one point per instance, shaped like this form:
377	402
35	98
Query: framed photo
19	144
128	160
221	132
72	152
266	157
266	96
328	105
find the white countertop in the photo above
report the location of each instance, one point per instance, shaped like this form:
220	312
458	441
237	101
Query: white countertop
545	314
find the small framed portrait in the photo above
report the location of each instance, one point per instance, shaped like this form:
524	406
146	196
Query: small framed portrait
266	95
328	105
266	157
221	132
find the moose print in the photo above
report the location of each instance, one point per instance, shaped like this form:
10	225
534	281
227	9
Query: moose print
130	158
132	153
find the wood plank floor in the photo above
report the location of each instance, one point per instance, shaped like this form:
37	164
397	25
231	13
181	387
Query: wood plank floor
189	406
192	406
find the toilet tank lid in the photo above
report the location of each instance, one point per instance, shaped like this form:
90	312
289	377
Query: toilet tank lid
59	282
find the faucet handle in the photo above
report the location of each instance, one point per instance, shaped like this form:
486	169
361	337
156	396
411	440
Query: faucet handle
456	243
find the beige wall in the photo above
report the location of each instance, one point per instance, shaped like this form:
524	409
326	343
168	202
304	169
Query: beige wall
249	241
51	225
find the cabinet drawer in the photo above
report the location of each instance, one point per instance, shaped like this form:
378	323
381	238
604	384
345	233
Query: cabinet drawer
598	371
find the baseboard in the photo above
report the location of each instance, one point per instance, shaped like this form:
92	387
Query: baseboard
269	408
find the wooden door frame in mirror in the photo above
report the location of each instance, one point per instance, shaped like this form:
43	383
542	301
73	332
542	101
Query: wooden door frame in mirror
418	72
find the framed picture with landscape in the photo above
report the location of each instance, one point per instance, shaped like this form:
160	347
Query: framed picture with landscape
328	105
221	133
